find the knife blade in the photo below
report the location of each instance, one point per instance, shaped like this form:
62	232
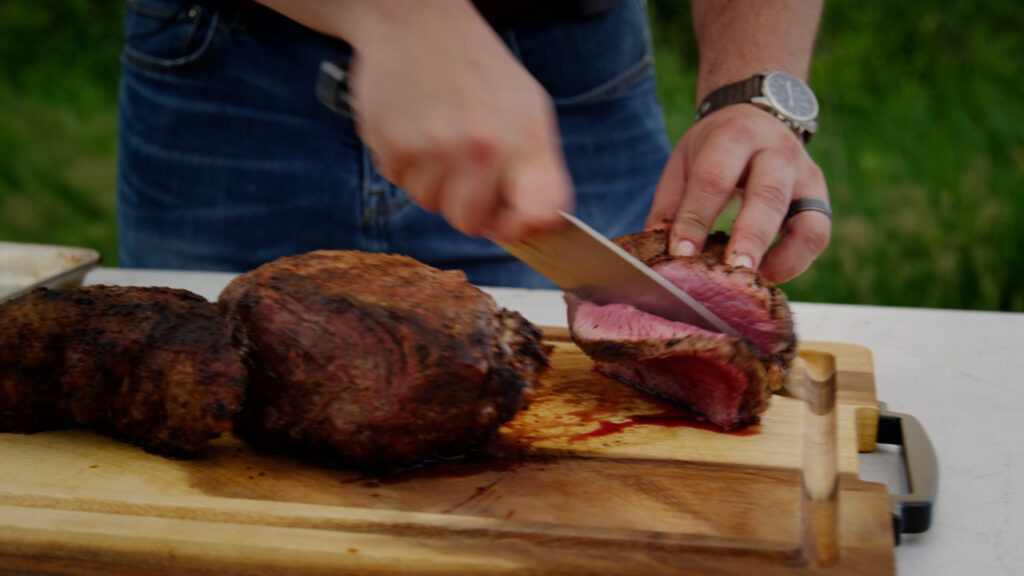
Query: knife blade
580	260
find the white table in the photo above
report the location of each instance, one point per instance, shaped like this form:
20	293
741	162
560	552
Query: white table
960	373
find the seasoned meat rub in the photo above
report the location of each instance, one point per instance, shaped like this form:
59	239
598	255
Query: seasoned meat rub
379	358
152	366
727	380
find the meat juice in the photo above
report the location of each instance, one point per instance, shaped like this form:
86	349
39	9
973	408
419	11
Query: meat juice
673	417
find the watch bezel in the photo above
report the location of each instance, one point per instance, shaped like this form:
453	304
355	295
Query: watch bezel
780	107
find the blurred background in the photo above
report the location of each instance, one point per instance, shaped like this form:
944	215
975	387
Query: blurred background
922	140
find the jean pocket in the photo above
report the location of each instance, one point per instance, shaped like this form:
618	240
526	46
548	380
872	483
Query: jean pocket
589	59
167	35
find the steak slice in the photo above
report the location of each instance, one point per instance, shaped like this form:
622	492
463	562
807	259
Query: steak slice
727	380
379	358
152	366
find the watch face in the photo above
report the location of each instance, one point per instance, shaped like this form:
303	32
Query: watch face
791	96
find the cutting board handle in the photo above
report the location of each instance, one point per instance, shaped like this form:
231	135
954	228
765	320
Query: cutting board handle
912	512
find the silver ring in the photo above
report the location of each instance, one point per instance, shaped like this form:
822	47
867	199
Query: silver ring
804	204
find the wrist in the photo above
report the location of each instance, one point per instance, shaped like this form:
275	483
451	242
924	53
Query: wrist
781	94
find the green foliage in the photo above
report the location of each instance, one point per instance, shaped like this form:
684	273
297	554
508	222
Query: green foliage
921	140
922	144
59	69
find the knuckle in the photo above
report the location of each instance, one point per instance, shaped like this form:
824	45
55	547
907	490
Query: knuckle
711	180
789	147
658	221
816	238
481	147
740	129
440	147
815	175
757	240
688	222
772	194
542	133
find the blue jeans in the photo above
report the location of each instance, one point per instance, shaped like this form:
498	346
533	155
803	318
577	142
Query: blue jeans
228	161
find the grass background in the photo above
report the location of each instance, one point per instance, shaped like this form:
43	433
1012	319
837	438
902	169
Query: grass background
922	140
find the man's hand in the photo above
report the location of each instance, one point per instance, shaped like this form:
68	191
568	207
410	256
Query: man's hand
741	146
448	112
452	118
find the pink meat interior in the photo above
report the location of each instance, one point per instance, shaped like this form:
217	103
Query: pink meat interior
732	297
701	380
624	322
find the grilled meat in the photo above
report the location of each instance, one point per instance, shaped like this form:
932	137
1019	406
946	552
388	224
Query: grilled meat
379	358
727	380
151	366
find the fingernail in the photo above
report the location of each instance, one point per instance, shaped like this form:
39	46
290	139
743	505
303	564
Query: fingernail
743	260
685	248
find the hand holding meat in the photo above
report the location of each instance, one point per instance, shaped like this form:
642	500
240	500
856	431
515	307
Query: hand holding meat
742	146
737	145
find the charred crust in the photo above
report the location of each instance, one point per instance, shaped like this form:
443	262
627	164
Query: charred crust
446	367
166	370
120	360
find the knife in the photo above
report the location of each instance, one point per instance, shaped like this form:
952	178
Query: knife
574	256
582	261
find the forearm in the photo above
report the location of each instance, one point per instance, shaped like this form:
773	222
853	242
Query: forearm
739	38
362	21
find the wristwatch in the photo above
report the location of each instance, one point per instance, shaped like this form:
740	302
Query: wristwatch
782	94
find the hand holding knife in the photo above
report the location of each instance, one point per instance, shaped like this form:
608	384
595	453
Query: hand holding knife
573	255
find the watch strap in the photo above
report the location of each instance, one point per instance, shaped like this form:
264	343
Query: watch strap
745	91
735	93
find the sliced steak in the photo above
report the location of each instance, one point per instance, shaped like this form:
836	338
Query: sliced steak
727	380
152	366
379	358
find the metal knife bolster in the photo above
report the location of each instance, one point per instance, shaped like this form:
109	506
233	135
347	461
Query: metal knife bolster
582	261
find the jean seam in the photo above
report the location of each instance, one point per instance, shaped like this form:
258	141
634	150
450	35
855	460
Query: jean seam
616	85
160	64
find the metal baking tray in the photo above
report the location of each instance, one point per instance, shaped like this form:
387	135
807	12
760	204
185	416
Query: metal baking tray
24	267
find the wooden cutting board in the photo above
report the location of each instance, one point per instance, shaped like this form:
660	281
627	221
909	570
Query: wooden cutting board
594	478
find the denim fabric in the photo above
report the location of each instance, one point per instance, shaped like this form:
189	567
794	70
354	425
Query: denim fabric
227	160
